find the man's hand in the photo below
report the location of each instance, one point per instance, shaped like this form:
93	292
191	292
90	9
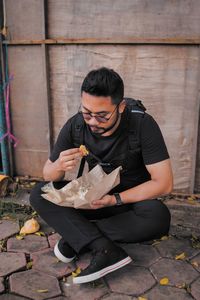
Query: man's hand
68	159
107	200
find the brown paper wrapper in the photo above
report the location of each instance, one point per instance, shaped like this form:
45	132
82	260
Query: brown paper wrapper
79	193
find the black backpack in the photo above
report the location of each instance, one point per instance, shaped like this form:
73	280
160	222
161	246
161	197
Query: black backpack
136	112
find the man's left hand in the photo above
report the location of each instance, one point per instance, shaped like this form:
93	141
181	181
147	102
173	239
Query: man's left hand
107	200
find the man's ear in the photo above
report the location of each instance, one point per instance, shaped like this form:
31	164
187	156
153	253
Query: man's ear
122	106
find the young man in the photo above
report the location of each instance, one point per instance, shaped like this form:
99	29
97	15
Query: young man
119	133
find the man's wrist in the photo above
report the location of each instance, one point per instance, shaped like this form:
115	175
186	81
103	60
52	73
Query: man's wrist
118	200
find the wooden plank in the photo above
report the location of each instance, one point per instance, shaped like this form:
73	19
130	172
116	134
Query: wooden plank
24	19
197	173
45	61
29	110
165	77
117	18
110	41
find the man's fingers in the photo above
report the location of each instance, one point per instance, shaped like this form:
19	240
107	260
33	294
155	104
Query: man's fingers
66	158
70	152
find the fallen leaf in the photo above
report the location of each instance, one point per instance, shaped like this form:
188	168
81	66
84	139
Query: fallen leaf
142	298
29	265
180	256
164	238
42	291
40	233
76	272
164	281
195	264
156	243
20	236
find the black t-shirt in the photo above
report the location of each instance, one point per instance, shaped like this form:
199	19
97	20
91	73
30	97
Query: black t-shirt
114	148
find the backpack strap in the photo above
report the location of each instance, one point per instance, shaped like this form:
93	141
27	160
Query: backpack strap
136	113
77	135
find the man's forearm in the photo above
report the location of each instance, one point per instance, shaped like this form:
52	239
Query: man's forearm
51	172
146	190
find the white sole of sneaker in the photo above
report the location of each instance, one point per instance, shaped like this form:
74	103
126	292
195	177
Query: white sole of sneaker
103	272
60	256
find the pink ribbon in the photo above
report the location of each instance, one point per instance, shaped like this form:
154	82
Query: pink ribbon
8	134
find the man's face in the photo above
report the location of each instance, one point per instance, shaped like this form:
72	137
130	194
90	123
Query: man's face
99	112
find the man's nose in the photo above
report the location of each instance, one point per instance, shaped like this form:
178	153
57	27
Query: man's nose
93	121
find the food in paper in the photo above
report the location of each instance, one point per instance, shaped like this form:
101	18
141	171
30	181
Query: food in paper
80	192
84	151
30	226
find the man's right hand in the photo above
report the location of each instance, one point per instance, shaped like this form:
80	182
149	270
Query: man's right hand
68	159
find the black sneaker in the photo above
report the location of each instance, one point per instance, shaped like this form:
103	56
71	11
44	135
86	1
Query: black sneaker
63	251
102	263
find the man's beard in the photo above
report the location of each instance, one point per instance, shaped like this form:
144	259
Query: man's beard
98	131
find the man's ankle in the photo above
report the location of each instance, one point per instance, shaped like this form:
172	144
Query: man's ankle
101	243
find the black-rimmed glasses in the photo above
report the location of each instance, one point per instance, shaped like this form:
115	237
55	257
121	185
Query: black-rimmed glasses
100	119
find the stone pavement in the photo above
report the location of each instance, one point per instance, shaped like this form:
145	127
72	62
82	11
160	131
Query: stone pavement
164	269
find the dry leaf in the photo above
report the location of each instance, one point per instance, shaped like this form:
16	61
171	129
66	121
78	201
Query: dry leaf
142	298
40	233
77	272
29	265
180	256
42	291
164	238
195	264
156	243
19	236
164	281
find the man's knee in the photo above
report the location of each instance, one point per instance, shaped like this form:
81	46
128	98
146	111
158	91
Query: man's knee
35	196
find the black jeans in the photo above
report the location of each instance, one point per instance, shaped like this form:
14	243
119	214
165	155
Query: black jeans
129	223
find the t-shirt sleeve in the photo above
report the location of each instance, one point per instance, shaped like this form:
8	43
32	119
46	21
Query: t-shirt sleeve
153	145
64	141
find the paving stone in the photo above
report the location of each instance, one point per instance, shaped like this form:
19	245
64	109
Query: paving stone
114	296
29	282
30	244
89	291
167	293
11	297
8	228
142	255
172	247
1	285
195	289
59	298
46	261
196	262
125	280
53	238
11	262
182	231
84	260
178	272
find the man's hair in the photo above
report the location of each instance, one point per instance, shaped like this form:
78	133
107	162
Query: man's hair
104	82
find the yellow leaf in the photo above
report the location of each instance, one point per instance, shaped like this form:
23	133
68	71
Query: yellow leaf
142	298
164	238
20	236
77	272
40	233
42	291
180	256
164	281
29	265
